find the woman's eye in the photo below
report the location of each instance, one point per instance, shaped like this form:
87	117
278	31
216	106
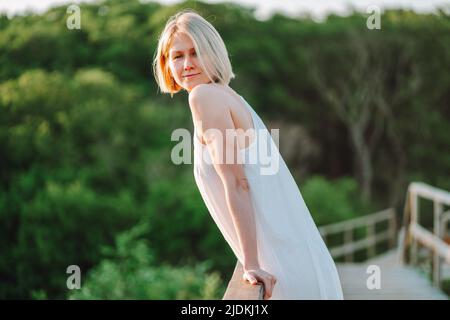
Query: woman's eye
179	56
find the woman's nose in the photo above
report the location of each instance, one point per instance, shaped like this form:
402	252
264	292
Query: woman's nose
188	64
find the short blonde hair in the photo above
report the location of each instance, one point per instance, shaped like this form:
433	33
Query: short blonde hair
208	44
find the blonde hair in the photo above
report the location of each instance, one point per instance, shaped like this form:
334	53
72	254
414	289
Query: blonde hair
208	44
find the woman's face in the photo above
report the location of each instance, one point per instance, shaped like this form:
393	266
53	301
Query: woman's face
184	64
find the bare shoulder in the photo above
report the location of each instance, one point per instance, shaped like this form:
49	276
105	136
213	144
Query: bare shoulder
207	97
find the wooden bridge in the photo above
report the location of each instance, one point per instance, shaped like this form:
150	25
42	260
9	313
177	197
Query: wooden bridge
413	265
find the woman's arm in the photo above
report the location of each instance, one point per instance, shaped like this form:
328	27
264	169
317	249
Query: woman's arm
237	194
214	126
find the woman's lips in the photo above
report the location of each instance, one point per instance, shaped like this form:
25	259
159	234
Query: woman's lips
191	75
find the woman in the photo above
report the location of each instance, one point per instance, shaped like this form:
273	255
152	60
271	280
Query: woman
261	214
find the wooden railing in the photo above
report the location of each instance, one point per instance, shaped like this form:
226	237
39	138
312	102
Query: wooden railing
415	234
238	289
348	227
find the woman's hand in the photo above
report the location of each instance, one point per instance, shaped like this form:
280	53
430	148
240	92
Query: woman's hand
258	275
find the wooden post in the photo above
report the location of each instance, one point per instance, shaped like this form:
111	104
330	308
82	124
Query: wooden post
406	257
438	208
445	218
348	238
414	220
371	249
392	230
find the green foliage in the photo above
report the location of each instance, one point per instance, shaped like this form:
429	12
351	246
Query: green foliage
182	230
131	273
333	201
60	226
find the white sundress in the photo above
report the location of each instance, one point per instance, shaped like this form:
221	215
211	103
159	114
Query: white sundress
289	244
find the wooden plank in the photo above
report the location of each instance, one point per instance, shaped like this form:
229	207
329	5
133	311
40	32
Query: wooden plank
239	289
397	282
359	244
349	247
357	222
430	192
431	241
